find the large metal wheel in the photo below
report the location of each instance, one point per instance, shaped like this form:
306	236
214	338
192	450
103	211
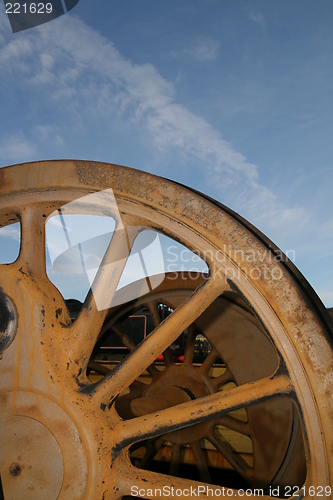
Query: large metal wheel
64	437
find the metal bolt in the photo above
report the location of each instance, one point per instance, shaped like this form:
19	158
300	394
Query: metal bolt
8	321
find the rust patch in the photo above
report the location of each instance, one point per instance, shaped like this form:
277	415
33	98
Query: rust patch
15	469
22	272
3	399
58	312
93	174
30	409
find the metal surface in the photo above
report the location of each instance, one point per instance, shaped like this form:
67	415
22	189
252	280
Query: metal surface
43	370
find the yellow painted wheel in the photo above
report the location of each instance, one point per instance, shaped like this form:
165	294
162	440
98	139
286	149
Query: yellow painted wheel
80	445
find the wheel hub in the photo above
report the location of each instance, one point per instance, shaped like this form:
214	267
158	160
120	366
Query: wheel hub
40	449
32	465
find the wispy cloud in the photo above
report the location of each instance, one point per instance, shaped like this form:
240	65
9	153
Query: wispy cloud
258	18
48	132
12	231
16	147
201	50
73	66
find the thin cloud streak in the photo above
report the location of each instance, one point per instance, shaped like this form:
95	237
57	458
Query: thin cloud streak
258	18
201	50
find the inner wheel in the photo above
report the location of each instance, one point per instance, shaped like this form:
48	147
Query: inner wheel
266	377
218	351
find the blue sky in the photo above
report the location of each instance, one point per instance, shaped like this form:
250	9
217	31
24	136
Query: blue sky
231	97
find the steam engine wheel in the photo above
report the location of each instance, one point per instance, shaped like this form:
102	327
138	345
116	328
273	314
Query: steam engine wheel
64	436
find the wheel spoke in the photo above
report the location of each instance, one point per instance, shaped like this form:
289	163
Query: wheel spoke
129	344
229	454
31	268
152	307
226	377
200	462
32	253
175	460
124	338
202	409
152	448
209	361
166	333
98	368
235	424
189	348
85	330
168	357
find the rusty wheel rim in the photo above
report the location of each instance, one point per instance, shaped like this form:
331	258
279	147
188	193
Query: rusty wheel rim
54	393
